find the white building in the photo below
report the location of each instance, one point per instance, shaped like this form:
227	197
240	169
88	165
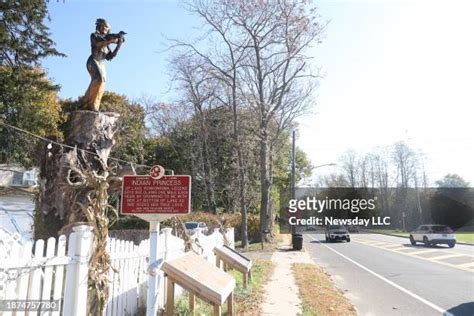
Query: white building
17	176
17	187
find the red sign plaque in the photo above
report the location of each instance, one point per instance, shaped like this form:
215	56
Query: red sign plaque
146	195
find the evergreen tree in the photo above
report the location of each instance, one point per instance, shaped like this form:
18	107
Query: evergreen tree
27	98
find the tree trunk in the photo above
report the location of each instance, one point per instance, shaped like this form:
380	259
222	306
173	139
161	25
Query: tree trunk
265	190
208	178
60	167
206	161
74	185
270	183
241	176
244	236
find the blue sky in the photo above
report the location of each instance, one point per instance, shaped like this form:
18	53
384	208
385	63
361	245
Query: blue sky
394	70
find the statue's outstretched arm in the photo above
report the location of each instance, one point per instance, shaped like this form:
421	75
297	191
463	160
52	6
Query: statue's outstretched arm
100	42
112	54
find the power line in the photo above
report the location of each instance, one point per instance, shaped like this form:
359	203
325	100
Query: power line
69	146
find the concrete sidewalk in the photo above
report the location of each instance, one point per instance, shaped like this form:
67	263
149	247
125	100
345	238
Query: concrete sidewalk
281	291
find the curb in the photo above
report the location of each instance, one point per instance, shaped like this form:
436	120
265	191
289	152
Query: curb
394	235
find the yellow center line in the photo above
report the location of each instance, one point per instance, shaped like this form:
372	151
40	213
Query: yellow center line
360	240
424	251
454	255
373	243
379	243
391	246
466	265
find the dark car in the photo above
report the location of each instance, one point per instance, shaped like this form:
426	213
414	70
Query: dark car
192	227
337	232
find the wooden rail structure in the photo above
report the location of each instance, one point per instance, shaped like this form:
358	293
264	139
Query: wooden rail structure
234	259
201	279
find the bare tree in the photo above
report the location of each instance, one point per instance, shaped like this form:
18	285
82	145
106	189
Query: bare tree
195	82
379	165
350	165
276	76
370	169
332	180
258	52
406	162
224	59
164	117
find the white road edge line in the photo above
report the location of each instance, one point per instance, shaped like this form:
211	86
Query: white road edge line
419	298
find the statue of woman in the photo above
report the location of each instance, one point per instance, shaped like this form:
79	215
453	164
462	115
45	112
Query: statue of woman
95	63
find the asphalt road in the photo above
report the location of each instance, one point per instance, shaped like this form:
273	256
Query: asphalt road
385	275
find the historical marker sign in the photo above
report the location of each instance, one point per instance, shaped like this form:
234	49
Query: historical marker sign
146	195
155	198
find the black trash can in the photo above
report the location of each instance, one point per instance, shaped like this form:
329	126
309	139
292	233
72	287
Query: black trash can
297	241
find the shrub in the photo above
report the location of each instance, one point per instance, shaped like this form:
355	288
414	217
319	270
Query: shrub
228	219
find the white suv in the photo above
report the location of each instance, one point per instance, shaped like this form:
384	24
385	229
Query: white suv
337	232
432	235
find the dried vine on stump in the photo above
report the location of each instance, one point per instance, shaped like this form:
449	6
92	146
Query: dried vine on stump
75	185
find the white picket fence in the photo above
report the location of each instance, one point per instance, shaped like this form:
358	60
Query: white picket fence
59	271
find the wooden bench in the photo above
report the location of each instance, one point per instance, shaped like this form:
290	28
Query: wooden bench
201	279
235	260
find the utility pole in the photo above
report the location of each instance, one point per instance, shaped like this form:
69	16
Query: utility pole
296	239
293	181
293	167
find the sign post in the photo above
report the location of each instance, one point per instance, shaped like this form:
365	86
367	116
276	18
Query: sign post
153	275
155	198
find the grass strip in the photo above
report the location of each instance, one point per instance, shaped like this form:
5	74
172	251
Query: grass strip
465	237
318	294
247	301
256	246
394	232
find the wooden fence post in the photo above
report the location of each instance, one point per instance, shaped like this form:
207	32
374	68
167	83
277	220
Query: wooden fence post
169	297
167	235
75	292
